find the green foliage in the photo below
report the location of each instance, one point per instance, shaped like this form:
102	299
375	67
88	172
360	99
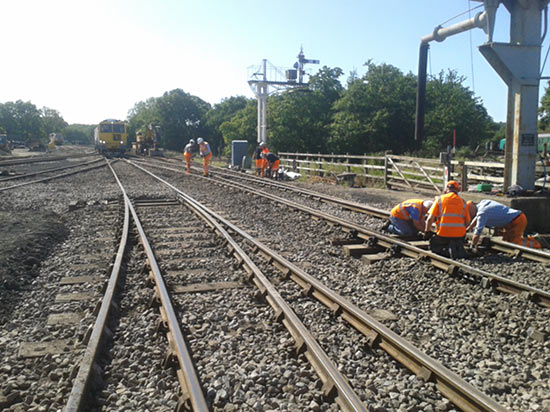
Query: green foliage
179	115
141	115
372	113
22	121
79	134
299	120
242	126
544	110
220	113
451	106
52	122
375	113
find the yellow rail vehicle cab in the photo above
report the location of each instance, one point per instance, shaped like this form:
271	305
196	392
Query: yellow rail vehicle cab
111	137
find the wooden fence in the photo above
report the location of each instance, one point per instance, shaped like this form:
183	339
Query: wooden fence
396	171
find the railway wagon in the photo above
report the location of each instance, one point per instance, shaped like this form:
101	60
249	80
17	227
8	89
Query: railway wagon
541	140
111	137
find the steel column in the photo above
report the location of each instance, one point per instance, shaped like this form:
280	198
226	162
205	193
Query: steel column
518	64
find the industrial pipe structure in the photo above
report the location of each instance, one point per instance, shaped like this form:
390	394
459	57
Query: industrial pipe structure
480	20
518	64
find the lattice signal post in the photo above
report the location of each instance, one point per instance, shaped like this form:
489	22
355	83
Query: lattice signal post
267	79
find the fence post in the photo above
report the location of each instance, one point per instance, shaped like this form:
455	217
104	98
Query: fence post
321	173
386	163
348	168
463	175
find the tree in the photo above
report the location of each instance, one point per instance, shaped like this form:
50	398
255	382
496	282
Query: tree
22	121
141	115
79	134
181	118
375	113
544	110
52	122
179	115
242	126
299	119
220	113
451	106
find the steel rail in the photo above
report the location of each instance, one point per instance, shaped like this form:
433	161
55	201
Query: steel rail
461	393
494	243
486	279
334	383
56	169
82	383
346	204
191	381
43	159
519	250
45	179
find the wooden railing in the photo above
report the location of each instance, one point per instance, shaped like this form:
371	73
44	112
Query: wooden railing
396	171
389	170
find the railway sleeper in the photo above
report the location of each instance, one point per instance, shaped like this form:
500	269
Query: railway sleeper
361	249
377	257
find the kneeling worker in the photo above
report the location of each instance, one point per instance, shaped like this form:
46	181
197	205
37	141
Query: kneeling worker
451	216
273	163
258	157
489	213
408	217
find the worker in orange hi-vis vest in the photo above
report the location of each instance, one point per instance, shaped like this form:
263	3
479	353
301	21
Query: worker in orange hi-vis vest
187	155
259	159
265	151
489	213
408	217
205	153
273	163
451	216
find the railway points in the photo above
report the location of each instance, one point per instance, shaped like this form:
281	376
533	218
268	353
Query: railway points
450	322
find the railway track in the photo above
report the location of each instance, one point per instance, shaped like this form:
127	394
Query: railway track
232	324
83	167
466	314
364	241
492	243
42	159
457	390
60	307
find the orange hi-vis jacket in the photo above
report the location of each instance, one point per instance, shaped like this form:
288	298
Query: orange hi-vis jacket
400	211
452	215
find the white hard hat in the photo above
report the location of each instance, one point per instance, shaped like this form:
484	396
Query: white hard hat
200	140
191	141
427	204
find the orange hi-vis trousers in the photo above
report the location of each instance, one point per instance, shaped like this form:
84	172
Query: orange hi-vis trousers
513	233
205	163
275	166
259	163
264	167
187	157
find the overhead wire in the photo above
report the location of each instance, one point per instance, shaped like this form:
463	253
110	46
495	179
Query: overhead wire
461	14
542	39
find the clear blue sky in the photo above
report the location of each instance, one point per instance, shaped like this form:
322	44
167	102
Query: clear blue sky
92	60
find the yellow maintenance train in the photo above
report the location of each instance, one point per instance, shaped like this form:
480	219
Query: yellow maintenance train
111	137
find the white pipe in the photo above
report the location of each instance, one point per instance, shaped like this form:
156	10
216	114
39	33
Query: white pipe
439	34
